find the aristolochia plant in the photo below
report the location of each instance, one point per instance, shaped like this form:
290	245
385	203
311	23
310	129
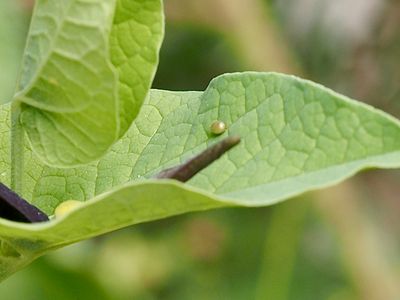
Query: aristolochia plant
74	132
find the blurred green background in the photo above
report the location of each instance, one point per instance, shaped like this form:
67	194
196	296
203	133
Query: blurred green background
337	244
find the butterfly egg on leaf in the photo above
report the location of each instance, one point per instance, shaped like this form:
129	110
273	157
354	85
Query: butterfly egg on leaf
218	127
65	207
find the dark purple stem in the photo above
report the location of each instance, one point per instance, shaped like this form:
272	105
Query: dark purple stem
14	208
187	170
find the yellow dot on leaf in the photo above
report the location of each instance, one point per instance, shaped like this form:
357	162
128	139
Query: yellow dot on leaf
218	127
66	207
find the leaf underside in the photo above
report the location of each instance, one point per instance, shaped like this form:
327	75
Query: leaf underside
82	84
296	136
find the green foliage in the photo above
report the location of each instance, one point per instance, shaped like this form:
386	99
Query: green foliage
86	70
12	32
297	136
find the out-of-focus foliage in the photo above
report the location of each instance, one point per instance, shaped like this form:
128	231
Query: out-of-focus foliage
191	56
199	256
13	27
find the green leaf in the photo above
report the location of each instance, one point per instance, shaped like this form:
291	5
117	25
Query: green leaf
127	205
136	37
82	84
68	85
297	136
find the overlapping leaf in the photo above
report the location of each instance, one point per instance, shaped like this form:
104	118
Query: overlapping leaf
82	84
136	36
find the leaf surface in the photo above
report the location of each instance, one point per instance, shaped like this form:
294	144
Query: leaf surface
73	86
297	136
136	37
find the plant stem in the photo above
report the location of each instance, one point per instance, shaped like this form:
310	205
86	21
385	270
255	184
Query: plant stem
187	170
280	250
15	208
17	148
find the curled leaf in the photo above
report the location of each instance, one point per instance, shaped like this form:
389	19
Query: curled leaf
82	84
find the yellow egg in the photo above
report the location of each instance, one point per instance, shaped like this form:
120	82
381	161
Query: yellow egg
218	127
66	207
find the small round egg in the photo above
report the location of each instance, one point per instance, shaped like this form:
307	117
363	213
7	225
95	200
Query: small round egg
218	127
66	207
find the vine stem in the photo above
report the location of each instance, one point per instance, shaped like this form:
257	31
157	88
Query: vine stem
17	147
184	172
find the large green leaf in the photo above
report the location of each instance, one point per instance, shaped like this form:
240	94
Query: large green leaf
82	84
296	136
